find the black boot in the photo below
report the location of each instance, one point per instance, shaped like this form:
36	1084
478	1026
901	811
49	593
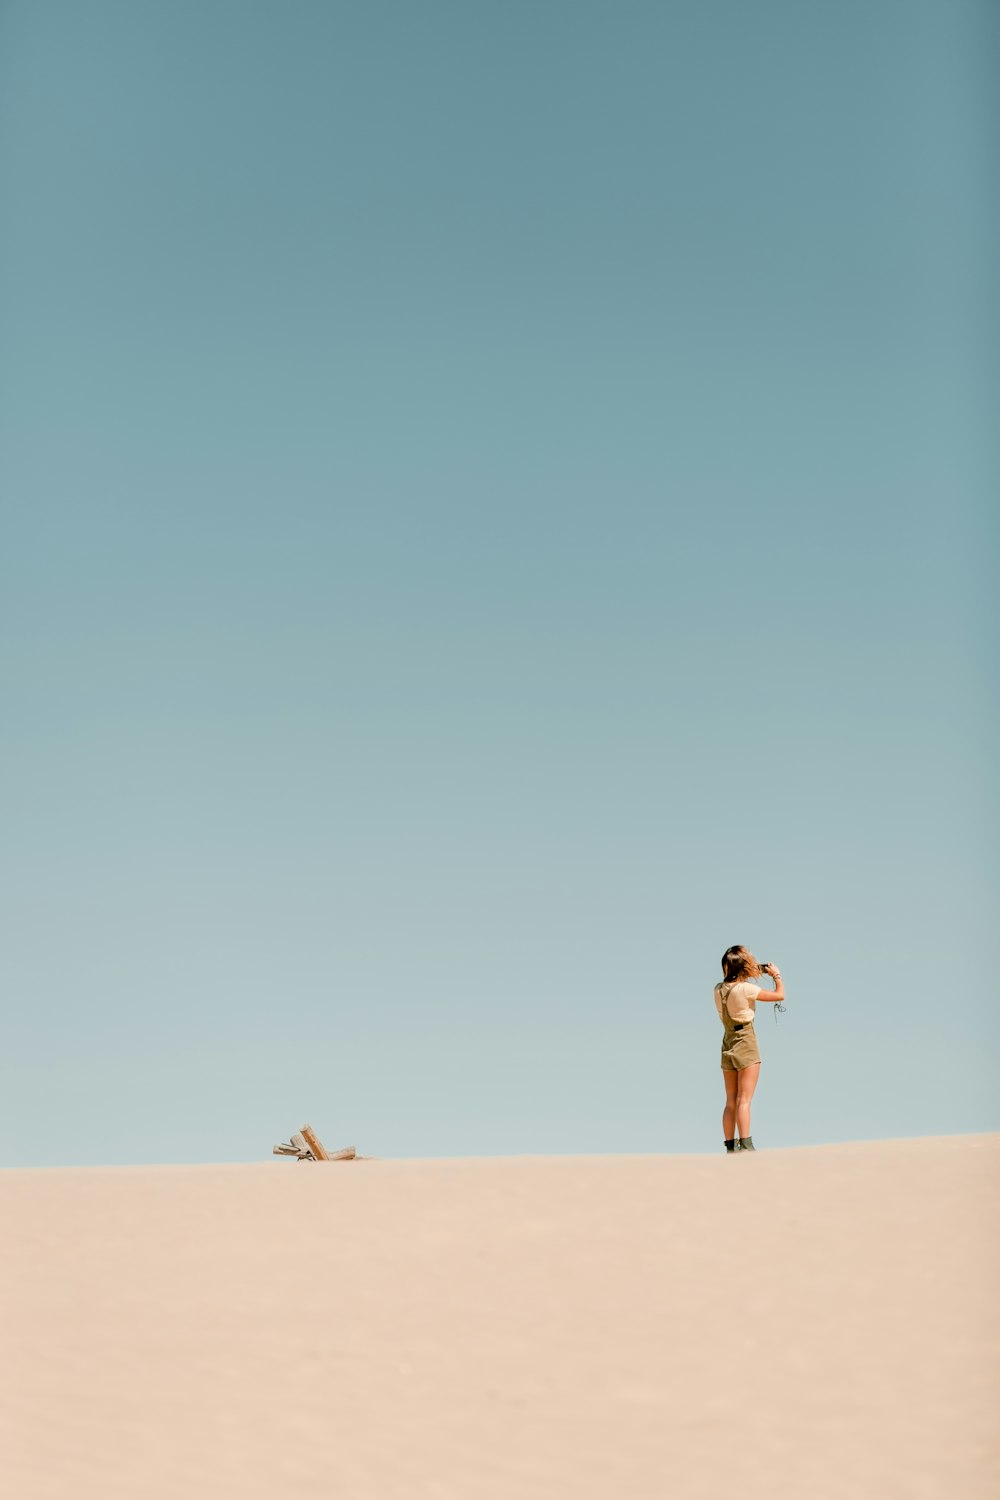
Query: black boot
730	1145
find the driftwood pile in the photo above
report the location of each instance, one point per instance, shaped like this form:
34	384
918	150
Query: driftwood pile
306	1145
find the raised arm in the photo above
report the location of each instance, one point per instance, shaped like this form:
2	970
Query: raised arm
779	989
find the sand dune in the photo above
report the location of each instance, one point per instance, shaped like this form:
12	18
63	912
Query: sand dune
811	1323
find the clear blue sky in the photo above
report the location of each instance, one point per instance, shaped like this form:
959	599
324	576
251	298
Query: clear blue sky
495	509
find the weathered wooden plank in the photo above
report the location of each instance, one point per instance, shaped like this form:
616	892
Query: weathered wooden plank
314	1143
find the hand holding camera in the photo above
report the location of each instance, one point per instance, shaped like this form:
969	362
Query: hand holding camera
774	973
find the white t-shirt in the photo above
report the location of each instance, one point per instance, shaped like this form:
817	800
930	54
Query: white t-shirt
739	999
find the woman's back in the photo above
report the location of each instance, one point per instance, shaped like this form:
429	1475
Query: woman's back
735	1000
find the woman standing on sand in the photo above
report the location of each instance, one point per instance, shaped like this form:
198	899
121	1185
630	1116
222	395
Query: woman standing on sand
735	1000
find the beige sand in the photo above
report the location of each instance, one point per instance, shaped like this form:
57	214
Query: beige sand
812	1323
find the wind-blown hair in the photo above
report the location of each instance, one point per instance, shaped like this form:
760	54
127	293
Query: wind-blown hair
739	963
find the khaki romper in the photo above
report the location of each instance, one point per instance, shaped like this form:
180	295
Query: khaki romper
739	1043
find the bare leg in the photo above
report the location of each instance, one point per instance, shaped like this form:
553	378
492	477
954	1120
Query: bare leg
729	1078
746	1083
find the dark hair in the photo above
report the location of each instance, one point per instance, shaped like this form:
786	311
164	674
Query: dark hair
739	963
